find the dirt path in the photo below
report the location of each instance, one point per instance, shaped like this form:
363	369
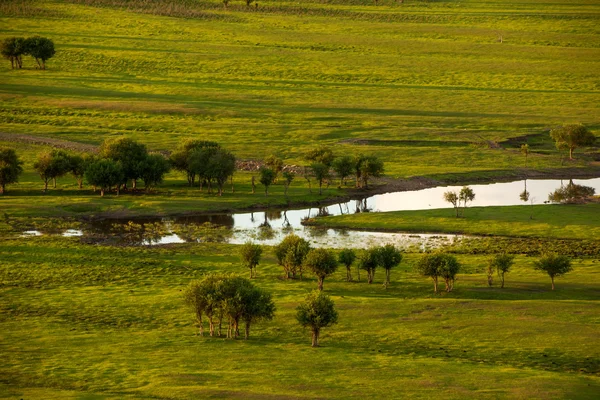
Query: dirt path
42	140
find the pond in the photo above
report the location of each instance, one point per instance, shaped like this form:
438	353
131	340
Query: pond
269	227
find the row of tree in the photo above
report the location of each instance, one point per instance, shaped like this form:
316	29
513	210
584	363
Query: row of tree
14	48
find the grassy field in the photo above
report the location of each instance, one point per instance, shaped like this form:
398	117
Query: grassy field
572	221
96	322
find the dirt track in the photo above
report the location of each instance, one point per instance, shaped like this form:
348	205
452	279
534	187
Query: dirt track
41	140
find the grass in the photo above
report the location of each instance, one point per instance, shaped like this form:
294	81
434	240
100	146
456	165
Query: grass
572	221
82	321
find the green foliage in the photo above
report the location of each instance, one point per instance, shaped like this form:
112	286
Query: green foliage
389	257
460	200
368	260
13	48
554	265
275	164
571	193
291	253
51	165
322	263
153	170
571	137
267	177
343	167
321	173
439	265
525	151
221	167
40	48
321	155
129	153
250	254
501	264
288	176
317	312
347	257
10	168
105	174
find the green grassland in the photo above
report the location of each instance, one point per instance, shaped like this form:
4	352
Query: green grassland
80	321
564	221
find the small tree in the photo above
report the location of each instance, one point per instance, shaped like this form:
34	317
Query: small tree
180	159
501	264
370	167
129	153
460	200
10	168
347	257
289	177
571	137
153	170
321	172
267	177
192	297
525	151
448	270
77	166
257	305
554	265
250	254
429	265
40	48
343	167
221	167
389	257
322	263
452	198
51	165
322	155
275	164
291	253
105	174
12	49
369	260
465	196
317	312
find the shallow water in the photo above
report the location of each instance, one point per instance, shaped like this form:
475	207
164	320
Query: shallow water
269	227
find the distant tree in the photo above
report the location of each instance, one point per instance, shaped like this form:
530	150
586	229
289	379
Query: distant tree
460	200
257	305
322	155
571	193
288	176
221	167
368	260
275	164
105	174
192	296
371	166
267	177
306	173
40	48
554	265
501	263
430	266
77	165
571	137
51	165
347	257
389	257
448	270
129	153
180	158
322	263
317	312
321	173
525	151
466	195
343	167
153	170
291	253
12	49
250	254
452	198
10	168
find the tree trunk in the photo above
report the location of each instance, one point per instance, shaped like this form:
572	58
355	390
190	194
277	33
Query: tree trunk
571	153
320	187
101	192
435	285
358	273
211	326
253	186
552	282
231	181
54	182
315	338
266	192
370	276
133	184
502	280
12	63
80	183
2	188
247	330
320	283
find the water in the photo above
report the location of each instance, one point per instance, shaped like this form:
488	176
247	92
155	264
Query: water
269	227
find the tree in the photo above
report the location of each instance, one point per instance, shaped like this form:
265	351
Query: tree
317	312
288	176
192	297
369	260
452	198
10	168
129	153
571	137
571	193
322	155
343	167
180	158
347	257
448	270
321	172
371	166
275	164
525	151
290	254
322	263
460	200
105	174
221	167
153	170
51	165
257	305
77	166
250	254
554	265
389	257
429	265
267	177
12	49
465	196
40	48
501	263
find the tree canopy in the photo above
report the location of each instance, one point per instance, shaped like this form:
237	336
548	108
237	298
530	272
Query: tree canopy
571	137
10	168
554	265
290	254
317	312
322	263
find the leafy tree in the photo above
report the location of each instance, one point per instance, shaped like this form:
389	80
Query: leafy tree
322	263
291	253
525	151
288	176
12	49
77	166
321	172
452	198
571	137
153	170
180	158
250	254
554	265
105	174
430	265
221	167
389	257
448	270
51	165
275	164
347	257
322	155
343	167
199	162
460	200
193	298
10	168
357	162
465	196
501	263
257	305
40	48
317	312
571	193
371	166
368	261
267	177
129	153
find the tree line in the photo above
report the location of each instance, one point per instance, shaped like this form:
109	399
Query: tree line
40	48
